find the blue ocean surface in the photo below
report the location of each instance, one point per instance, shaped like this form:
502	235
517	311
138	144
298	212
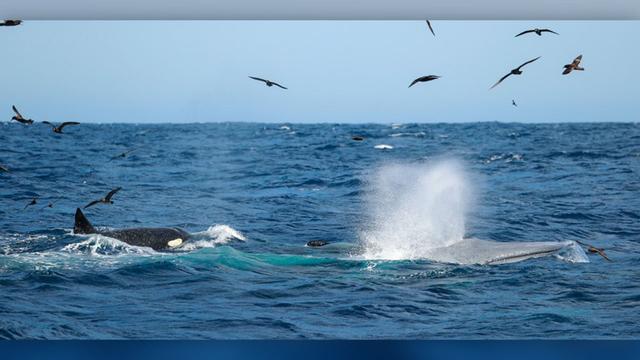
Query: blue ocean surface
254	194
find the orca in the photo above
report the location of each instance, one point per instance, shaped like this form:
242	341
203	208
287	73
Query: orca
155	238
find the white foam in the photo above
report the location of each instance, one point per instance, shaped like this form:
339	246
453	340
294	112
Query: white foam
416	134
100	245
383	147
213	236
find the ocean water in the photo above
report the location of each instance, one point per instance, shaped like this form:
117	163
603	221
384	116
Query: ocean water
254	194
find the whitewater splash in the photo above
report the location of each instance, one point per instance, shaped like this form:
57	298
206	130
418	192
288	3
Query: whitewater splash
415	208
418	211
213	236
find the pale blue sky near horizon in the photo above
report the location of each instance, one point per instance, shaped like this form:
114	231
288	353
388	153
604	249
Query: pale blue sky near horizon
336	71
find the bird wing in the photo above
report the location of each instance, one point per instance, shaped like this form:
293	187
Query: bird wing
32	202
430	28
528	62
549	30
577	60
601	253
92	203
123	154
278	85
416	81
48	123
567	69
259	79
15	110
499	81
111	193
68	123
524	32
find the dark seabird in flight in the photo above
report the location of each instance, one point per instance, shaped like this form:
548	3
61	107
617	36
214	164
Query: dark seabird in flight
3	168
357	138
594	250
11	23
106	199
515	71
123	154
19	118
58	129
34	201
513	102
268	82
537	31
424	79
51	202
573	66
430	28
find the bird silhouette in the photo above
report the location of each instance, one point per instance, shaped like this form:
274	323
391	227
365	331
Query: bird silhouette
573	66
58	129
515	71
594	250
123	154
106	199
11	23
269	83
19	118
34	201
430	27
424	79
537	31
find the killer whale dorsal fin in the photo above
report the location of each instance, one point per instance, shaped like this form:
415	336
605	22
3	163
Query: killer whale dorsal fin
82	225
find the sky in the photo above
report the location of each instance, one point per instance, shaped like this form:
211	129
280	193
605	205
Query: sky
336	71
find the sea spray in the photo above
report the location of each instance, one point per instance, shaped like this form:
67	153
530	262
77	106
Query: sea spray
212	237
415	208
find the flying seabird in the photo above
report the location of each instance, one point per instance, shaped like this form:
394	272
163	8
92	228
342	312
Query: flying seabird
11	23
34	201
515	71
123	154
3	168
19	118
424	79
430	28
268	82
537	31
58	129
106	199
594	250
357	138
573	66
513	102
